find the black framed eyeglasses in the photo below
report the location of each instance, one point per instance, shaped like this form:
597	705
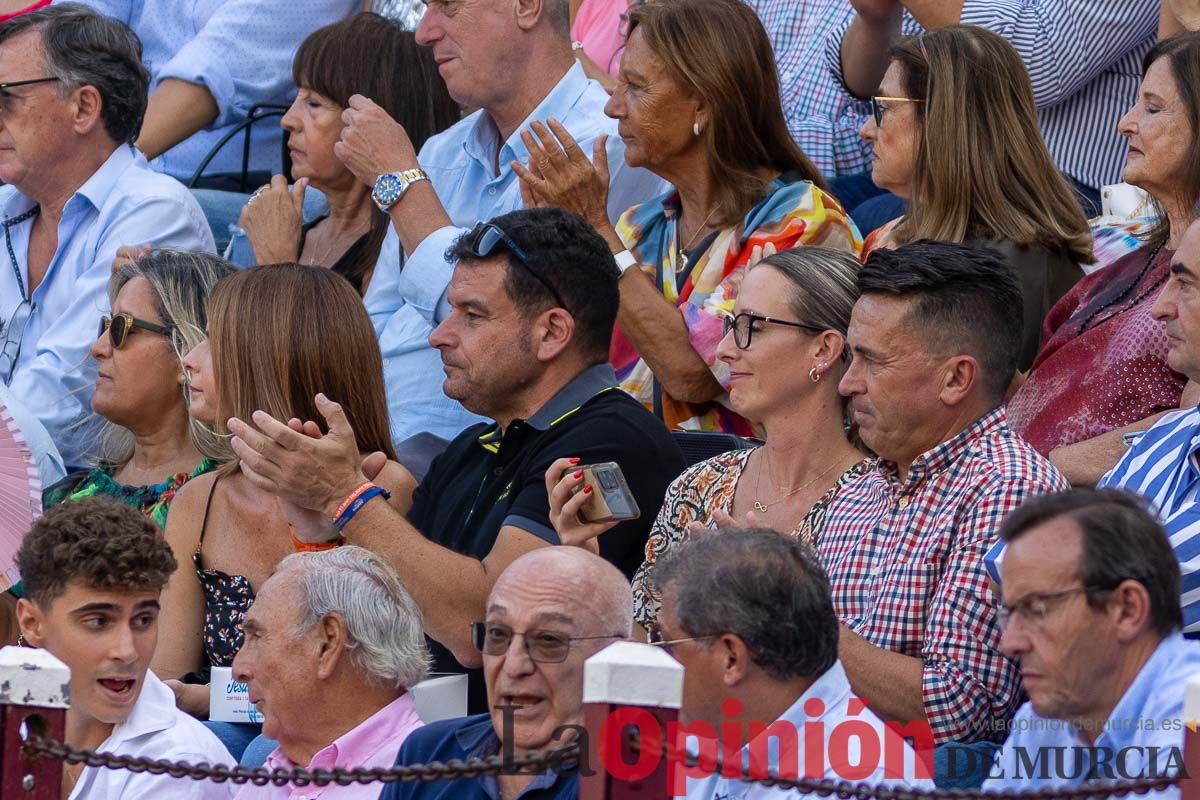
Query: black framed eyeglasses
877	109
120	326
547	647
486	236
1035	607
743	328
13	84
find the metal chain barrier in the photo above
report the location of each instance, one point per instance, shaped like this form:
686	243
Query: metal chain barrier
299	776
559	760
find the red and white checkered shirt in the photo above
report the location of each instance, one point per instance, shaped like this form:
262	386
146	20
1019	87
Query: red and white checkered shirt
905	563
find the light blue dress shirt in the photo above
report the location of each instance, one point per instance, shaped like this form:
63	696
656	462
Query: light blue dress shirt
122	203
407	304
240	50
1146	726
841	749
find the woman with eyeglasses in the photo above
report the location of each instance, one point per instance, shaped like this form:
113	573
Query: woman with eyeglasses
955	133
785	347
150	447
230	532
697	103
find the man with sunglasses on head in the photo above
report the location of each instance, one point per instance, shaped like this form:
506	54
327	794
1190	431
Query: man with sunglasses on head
934	338
1092	617
526	346
72	97
547	613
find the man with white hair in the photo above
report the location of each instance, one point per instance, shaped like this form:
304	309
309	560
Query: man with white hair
332	644
547	613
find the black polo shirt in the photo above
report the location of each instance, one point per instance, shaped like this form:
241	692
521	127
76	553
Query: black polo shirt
485	480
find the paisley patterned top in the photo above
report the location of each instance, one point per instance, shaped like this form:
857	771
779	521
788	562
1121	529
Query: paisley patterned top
703	283
694	496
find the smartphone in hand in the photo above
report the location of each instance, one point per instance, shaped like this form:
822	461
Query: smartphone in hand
611	498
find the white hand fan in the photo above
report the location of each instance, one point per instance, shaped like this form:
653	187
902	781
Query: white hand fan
20	495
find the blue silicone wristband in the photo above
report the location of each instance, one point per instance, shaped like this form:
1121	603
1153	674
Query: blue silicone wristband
358	503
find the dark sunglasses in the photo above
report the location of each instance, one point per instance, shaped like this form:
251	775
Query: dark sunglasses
11	84
547	647
121	326
486	236
742	326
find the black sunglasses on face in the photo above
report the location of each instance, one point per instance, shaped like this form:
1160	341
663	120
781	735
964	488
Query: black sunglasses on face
484	239
11	84
121	326
742	326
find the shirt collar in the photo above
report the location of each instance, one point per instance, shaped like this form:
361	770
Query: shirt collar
153	711
479	740
351	748
951	451
583	387
481	143
1122	724
99	186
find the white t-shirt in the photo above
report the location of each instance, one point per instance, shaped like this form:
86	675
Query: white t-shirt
156	729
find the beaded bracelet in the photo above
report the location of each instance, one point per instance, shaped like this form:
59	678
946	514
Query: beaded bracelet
357	503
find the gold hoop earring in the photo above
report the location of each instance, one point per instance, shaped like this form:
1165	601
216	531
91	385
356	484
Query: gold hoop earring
813	375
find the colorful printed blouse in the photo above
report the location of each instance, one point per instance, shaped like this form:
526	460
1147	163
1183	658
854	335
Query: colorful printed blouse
153	501
694	496
1103	362
704	284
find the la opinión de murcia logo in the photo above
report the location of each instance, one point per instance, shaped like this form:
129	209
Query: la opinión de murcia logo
853	750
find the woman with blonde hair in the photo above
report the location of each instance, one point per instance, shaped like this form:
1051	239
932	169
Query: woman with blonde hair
697	103
955	133
150	447
793	309
277	336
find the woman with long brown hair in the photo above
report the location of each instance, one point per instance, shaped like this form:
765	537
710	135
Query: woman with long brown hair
698	104
955	133
1102	371
272	346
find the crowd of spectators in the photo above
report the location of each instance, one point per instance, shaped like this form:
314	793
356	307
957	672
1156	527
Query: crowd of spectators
771	334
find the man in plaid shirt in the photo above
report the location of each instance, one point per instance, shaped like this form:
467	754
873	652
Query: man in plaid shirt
934	336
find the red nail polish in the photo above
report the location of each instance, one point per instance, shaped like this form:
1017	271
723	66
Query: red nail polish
578	474
587	490
574	461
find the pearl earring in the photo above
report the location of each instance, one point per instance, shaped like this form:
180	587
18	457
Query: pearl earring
696	128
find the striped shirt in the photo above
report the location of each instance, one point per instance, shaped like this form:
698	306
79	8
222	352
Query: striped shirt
821	117
1161	466
1085	63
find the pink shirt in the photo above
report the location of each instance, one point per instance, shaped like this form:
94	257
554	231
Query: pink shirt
597	27
374	743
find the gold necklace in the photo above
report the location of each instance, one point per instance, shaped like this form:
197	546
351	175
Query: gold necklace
762	507
683	251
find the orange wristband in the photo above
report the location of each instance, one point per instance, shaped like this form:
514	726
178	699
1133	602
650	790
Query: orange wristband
314	547
350	498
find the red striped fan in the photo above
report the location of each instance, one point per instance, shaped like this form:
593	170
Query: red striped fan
20	495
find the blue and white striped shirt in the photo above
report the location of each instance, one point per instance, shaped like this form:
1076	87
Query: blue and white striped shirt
1084	61
1161	466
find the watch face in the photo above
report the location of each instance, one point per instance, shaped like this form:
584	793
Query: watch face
388	188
